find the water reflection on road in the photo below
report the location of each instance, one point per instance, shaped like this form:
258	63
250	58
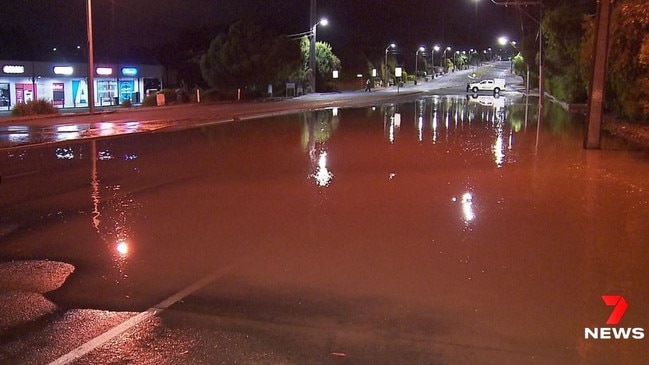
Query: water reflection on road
449	226
17	134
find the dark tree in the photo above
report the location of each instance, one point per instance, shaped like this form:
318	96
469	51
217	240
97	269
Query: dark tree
563	33
249	57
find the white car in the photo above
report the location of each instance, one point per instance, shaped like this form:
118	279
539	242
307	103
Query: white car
495	85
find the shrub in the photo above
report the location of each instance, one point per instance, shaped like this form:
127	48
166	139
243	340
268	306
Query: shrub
211	95
170	95
34	107
127	103
150	100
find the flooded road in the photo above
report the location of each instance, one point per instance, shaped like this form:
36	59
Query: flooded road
442	231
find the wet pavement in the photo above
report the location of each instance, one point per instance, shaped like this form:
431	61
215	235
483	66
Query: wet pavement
444	230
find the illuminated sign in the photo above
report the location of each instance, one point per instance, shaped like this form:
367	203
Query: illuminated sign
63	70
13	69
104	71
129	71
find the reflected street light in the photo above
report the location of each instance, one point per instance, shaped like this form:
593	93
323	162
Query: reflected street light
387	49
538	21
322	22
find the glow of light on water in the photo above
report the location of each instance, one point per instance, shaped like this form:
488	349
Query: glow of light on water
467	207
18	137
434	126
122	248
67	128
322	175
106	128
64	153
67	132
132	126
420	127
499	149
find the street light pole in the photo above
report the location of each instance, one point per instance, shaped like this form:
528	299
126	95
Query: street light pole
420	49
312	51
312	20
432	60
91	65
387	49
445	58
312	57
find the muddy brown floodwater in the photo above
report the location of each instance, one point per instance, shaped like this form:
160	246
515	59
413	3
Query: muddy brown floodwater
447	230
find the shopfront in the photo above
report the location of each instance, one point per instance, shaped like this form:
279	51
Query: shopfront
66	85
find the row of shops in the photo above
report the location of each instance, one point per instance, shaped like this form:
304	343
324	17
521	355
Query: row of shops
65	85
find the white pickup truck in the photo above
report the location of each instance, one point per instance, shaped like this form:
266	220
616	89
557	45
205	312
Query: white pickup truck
495	85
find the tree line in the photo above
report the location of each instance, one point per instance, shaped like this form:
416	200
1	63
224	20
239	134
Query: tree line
568	42
249	57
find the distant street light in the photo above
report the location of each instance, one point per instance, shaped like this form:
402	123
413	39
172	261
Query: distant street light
445	58
322	22
436	48
420	49
387	49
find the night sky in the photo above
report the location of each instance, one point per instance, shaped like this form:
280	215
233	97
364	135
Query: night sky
120	26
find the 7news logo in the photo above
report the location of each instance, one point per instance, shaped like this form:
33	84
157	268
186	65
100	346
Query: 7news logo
620	306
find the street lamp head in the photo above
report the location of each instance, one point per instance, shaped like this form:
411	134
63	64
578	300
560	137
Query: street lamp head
421	49
436	48
323	22
448	48
503	41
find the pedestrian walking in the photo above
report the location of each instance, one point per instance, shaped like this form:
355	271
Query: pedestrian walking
368	85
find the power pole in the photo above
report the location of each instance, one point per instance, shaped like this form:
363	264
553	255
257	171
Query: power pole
592	139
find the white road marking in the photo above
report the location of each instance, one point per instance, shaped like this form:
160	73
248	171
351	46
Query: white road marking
132	322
